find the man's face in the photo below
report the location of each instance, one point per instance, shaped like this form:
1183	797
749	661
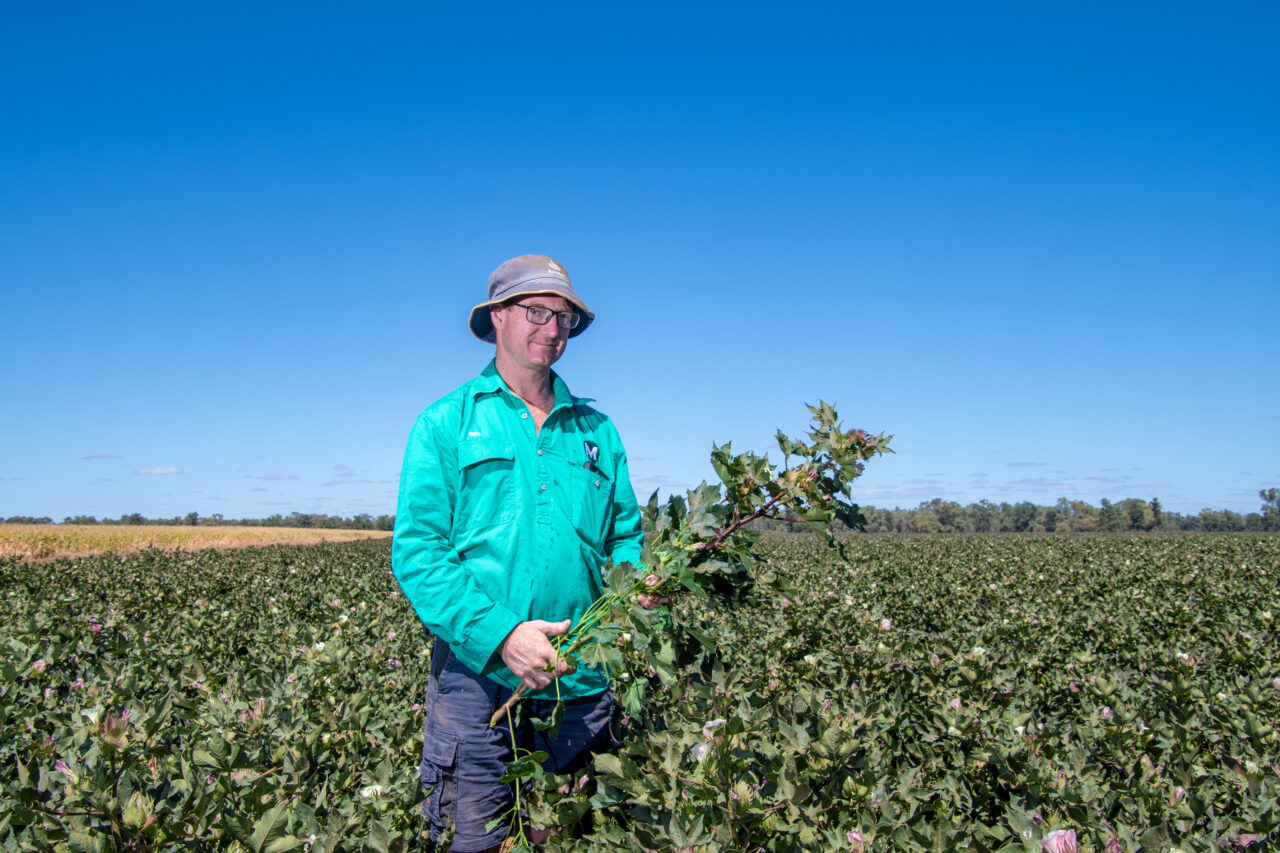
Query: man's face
527	344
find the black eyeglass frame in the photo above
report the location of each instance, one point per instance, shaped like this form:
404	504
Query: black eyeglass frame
566	320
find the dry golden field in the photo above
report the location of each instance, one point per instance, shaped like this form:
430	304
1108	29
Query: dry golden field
38	542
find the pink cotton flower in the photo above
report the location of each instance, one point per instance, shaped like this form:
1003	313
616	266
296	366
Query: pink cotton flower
856	842
786	602
955	704
95	627
1060	841
886	625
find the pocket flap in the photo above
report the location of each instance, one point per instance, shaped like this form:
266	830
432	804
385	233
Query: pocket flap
439	749
474	452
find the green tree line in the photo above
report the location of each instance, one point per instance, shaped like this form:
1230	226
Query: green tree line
363	521
942	516
935	516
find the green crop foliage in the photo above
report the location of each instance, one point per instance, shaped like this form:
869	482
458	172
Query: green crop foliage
896	693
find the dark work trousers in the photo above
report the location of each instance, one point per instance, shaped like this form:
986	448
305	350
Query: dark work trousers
464	759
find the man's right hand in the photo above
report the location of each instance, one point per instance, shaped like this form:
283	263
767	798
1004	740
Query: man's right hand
527	653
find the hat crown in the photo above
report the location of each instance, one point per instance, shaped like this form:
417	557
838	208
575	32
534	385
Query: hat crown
509	277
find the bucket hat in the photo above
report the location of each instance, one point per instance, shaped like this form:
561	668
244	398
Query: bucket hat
524	276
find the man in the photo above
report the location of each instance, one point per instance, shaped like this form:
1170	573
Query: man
513	494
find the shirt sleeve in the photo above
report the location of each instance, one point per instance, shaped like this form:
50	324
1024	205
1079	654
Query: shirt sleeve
625	541
428	568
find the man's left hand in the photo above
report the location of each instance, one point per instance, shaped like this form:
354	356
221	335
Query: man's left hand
649	602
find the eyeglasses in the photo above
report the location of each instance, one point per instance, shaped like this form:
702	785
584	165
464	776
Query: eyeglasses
540	316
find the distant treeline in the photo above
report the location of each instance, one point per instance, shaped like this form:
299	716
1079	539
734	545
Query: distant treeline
935	516
939	516
293	519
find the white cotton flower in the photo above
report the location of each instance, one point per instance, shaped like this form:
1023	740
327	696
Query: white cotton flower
371	791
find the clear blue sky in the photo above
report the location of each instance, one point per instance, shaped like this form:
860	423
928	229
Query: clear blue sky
1038	243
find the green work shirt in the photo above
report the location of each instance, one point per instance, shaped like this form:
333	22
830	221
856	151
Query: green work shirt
498	523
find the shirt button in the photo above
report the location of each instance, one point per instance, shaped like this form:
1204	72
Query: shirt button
597	484
524	415
544	487
539	452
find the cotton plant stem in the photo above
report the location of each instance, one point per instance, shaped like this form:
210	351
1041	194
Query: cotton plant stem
580	634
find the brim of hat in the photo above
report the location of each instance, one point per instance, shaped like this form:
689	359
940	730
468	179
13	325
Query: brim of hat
481	323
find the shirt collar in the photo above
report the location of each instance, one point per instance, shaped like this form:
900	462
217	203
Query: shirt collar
490	381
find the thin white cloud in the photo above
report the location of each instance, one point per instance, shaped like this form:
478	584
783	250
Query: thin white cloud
274	477
1025	464
158	471
93	456
348	482
1042	484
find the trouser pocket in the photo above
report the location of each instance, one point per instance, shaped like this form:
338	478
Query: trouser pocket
438	776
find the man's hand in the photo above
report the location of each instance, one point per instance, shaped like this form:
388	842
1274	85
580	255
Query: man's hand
527	653
649	602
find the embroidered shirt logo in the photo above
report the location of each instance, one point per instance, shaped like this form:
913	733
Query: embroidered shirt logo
592	450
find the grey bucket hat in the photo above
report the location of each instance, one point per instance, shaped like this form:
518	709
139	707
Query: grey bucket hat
523	276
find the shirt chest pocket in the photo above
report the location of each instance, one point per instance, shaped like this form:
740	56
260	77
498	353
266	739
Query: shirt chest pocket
590	496
486	483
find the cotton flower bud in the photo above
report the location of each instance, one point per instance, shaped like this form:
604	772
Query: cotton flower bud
1060	841
39	665
856	843
653	581
1179	794
1106	713
1113	845
955	704
65	769
886	625
700	751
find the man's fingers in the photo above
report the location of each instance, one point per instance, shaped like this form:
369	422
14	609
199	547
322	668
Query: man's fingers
551	629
